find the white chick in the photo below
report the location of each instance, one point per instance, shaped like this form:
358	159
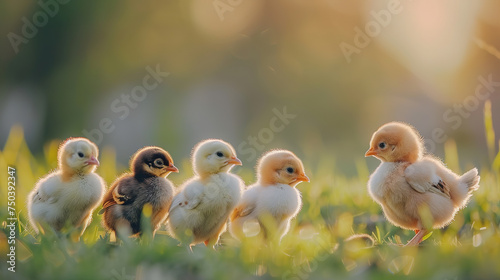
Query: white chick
273	201
65	198
200	211
407	182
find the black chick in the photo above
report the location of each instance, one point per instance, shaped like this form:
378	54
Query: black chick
147	184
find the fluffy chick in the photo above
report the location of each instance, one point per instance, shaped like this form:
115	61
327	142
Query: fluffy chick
407	181
200	211
147	184
66	198
273	201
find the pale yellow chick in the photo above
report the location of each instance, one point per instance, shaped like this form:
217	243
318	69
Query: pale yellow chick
268	206
66	198
408	181
201	208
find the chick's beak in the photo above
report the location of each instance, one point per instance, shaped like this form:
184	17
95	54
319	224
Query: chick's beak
303	178
235	161
371	152
92	161
172	168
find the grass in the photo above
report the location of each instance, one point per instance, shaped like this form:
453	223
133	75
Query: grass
335	208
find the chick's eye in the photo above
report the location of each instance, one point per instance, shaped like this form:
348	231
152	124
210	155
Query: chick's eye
80	154
219	154
158	162
289	170
382	145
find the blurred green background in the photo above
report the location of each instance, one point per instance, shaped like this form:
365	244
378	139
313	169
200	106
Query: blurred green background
232	62
234	66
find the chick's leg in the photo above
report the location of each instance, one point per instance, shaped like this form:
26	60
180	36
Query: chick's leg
81	227
212	240
417	238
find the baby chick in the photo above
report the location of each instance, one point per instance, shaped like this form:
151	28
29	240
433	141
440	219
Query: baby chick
68	196
200	211
147	184
408	181
273	198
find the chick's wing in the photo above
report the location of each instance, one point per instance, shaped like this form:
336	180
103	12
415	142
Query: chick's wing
123	191
192	196
242	211
422	177
248	203
48	190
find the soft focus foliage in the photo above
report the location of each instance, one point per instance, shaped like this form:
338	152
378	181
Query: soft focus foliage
335	208
228	73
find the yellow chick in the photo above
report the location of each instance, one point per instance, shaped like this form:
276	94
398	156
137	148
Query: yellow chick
200	211
68	196
408	182
268	206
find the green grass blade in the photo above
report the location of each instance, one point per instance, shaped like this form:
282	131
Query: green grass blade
490	133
